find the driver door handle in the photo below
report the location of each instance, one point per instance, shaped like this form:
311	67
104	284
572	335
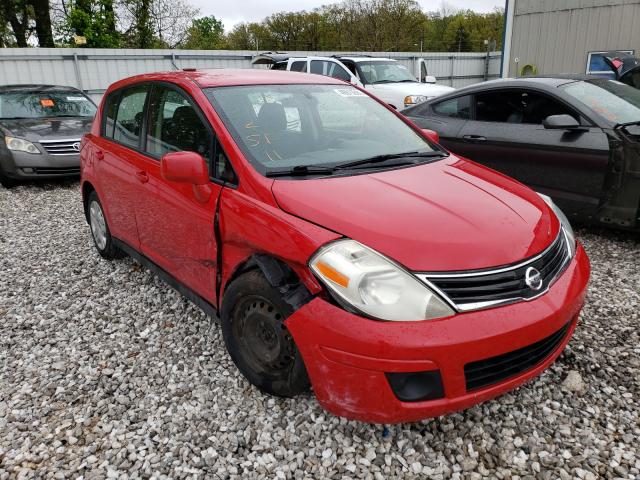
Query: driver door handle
142	176
474	138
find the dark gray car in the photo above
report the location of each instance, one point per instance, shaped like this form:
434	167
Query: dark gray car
40	131
573	138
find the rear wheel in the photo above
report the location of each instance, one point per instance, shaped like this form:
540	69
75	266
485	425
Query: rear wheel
100	230
253	315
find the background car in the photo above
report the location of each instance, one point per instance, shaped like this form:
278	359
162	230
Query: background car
40	131
626	68
387	79
574	138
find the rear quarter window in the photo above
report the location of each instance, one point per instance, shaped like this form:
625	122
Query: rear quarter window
455	108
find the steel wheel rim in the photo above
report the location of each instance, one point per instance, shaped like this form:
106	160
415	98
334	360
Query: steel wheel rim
266	345
98	225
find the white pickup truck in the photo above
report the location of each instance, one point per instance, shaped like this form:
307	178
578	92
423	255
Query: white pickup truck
387	79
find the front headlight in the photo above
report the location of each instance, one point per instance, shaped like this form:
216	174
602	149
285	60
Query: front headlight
564	221
372	284
414	99
20	145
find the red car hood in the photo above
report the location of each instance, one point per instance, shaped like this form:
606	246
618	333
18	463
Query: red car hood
448	215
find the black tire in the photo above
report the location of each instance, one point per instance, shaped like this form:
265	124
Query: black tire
7	182
105	246
253	314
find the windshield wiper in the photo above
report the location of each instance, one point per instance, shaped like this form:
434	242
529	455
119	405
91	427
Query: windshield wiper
407	80
628	124
300	170
384	158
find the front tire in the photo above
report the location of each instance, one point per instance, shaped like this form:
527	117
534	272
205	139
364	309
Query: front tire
253	314
100	232
5	181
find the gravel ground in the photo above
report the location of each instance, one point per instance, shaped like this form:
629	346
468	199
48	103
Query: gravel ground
107	372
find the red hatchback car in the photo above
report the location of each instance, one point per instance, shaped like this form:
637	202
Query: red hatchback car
341	247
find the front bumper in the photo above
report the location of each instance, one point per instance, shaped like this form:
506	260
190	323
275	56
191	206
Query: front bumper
348	357
25	166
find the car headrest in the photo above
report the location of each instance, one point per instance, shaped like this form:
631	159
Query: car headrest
185	114
272	117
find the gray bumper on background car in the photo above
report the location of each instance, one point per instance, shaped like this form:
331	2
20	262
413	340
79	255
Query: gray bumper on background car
58	158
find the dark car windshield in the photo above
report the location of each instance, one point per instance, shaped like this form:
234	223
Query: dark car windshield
385	72
45	103
615	101
287	126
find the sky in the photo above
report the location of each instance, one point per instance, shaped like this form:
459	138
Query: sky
232	12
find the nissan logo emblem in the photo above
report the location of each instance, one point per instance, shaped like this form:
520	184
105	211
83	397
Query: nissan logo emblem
76	146
533	279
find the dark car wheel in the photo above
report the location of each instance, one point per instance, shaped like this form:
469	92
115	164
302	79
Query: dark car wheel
253	315
100	230
5	181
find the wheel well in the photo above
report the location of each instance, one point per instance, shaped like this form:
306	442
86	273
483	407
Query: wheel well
279	275
87	188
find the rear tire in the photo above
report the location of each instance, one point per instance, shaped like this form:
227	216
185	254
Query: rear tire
100	232
253	314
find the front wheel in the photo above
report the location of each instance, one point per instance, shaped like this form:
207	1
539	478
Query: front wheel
5	181
100	232
253	315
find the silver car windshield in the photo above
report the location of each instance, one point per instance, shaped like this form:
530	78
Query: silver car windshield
284	126
615	101
45	104
385	72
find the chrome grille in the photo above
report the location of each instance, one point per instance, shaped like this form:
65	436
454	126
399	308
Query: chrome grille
473	290
69	146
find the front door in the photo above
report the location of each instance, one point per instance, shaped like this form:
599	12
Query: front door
507	135
176	220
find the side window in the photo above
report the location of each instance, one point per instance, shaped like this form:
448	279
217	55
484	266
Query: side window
222	168
517	106
130	114
423	71
299	66
279	66
111	108
174	125
455	108
317	67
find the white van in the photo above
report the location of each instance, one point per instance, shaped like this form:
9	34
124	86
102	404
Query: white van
388	79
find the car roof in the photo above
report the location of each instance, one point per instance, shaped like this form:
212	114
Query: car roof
226	77
360	58
35	87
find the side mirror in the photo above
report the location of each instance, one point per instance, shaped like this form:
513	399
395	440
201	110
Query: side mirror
429	79
431	135
184	167
560	122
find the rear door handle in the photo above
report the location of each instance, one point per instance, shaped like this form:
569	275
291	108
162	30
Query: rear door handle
474	138
142	176
100	155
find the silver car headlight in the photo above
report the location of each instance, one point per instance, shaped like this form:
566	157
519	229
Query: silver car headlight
21	145
414	99
564	221
370	283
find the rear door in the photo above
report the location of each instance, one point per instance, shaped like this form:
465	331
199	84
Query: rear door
506	133
446	117
117	152
176	220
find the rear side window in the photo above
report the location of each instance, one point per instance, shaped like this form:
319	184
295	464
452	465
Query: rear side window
175	126
299	66
455	108
130	116
279	66
111	108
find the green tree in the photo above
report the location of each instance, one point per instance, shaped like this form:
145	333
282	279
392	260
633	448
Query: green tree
96	21
206	33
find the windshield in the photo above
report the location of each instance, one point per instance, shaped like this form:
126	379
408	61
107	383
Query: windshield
385	72
45	103
615	101
286	126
